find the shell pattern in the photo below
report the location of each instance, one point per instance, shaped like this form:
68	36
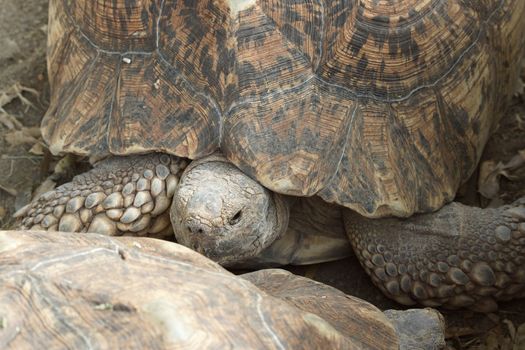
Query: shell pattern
382	106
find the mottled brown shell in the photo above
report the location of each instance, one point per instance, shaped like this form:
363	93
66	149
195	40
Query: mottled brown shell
381	106
79	291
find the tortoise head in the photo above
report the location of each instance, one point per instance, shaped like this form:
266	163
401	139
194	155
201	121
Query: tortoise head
224	214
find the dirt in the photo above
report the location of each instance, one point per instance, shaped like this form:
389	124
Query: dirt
27	167
23	26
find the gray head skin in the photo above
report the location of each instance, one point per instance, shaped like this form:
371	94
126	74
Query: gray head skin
222	213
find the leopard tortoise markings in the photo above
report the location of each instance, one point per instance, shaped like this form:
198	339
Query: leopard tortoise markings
380	108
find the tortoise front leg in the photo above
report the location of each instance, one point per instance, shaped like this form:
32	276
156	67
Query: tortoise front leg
127	195
459	256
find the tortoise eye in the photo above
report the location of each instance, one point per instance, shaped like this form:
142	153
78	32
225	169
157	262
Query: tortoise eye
236	218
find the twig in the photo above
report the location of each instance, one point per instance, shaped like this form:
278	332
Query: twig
11	191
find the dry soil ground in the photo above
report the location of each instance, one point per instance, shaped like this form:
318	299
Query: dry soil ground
27	168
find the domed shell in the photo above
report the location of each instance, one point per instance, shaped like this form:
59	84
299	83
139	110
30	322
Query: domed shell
69	290
381	106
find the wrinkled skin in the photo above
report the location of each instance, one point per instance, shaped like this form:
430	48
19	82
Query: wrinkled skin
225	215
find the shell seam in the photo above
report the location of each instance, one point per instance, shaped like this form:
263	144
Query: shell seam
113	98
350	127
157	31
146	53
322	36
266	326
83	35
290	45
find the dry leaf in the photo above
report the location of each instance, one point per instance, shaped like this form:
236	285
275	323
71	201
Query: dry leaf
520	120
37	149
7	96
488	183
9	190
15	91
8	120
33	131
19	137
490	173
511	328
516	162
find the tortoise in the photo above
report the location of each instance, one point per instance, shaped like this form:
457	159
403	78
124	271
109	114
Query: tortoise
292	132
94	291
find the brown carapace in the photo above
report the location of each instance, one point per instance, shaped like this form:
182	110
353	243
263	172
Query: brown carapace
89	291
380	106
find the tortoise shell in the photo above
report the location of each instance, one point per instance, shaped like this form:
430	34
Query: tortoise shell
380	106
66	290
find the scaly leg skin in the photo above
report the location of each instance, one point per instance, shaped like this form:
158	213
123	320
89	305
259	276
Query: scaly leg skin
127	195
459	256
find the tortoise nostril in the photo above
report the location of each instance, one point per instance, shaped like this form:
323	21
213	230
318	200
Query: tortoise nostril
194	229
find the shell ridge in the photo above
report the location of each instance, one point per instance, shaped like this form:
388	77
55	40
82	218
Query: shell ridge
348	132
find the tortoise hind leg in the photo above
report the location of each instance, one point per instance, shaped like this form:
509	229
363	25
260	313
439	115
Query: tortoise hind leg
127	195
459	256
